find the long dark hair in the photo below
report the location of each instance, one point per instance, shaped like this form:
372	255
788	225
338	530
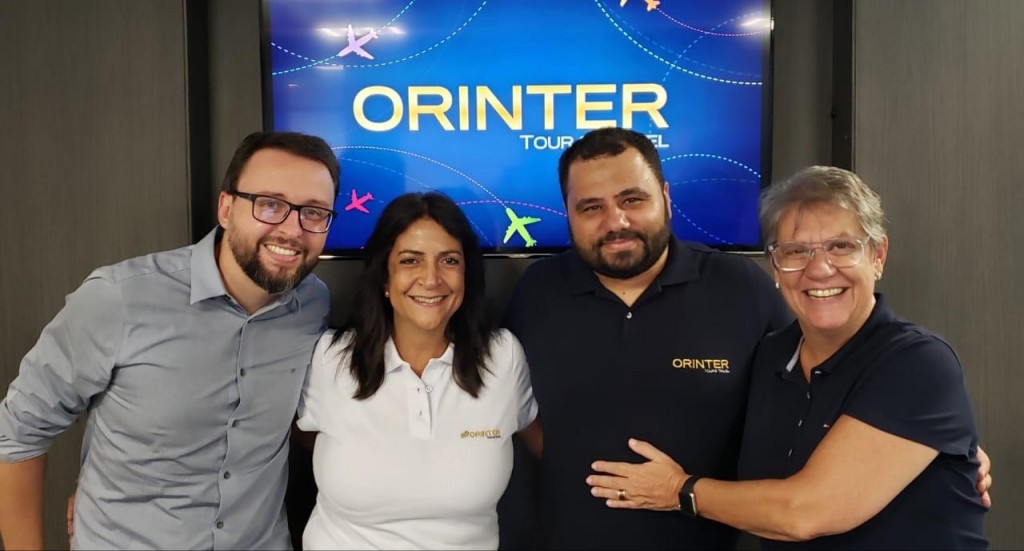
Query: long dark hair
372	318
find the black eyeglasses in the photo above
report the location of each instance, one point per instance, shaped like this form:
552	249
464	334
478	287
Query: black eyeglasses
271	210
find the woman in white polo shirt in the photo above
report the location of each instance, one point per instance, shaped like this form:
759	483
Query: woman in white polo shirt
416	398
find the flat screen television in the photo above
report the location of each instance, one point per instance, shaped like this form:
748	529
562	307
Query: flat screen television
478	98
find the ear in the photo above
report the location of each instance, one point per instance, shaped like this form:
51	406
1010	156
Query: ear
881	254
224	204
668	200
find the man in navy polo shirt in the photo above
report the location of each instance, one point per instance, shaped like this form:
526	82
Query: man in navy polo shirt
635	334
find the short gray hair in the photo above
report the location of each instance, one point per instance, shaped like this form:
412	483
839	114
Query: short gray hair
823	184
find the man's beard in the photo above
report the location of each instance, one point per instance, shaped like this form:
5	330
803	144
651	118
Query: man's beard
249	259
623	265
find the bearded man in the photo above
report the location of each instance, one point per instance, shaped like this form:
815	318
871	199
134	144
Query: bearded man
634	334
188	364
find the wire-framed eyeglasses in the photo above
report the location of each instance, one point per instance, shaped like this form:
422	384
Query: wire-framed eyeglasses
793	256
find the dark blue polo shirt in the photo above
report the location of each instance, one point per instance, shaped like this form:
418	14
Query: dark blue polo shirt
898	378
673	369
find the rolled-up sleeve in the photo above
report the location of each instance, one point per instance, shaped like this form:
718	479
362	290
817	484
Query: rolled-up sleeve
72	362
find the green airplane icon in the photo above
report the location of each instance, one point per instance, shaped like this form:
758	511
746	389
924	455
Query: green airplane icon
518	225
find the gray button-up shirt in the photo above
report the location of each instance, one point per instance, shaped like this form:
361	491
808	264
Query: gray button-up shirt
190	400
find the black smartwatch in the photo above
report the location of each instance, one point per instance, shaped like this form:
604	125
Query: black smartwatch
687	500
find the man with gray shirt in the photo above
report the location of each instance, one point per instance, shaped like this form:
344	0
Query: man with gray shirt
189	363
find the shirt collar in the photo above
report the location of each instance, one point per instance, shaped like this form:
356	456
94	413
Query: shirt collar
207	281
394	362
680	266
880	315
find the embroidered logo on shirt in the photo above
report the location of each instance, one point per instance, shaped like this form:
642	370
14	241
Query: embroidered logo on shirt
493	433
707	365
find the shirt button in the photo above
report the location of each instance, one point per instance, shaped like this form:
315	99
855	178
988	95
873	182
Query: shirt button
817	373
790	453
234	423
629	315
808	395
227	475
800	423
429	388
242	371
421	413
220	524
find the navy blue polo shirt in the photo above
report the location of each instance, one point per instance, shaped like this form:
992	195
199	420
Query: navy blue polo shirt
898	378
673	369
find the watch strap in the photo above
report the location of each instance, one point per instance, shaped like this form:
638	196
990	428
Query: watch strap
687	499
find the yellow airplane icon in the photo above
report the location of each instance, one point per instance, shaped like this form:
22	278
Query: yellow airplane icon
651	4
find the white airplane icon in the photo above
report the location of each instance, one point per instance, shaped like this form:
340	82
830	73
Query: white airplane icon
356	46
518	224
651	4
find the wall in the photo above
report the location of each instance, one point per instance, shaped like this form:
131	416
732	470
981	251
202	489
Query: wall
938	120
95	170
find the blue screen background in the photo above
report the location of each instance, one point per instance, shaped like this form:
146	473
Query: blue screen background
707	55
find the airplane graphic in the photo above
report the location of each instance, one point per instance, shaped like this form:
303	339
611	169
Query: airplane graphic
651	4
518	224
357	202
356	46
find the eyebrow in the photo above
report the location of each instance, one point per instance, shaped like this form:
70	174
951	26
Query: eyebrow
421	253
628	192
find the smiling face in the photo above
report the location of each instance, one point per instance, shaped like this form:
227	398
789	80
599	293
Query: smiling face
268	257
829	302
426	278
618	214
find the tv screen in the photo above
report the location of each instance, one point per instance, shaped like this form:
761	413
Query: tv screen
478	98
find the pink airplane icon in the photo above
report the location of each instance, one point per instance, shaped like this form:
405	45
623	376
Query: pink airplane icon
356	46
357	202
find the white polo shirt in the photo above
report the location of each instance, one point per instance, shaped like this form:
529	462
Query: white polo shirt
421	464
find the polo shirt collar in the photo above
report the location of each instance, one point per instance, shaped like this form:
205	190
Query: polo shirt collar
394	362
680	267
880	315
207	281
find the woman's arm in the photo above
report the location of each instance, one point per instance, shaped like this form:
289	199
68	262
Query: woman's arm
853	474
533	437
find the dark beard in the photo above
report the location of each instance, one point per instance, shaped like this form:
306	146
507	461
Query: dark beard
620	267
249	260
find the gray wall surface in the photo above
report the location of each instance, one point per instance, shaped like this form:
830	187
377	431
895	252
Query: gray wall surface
938	121
93	148
94	110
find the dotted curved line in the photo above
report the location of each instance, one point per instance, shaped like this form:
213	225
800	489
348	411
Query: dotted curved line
669	63
696	225
726	22
421	184
422	157
712	33
702	180
391	170
689	59
712	156
519	203
385	64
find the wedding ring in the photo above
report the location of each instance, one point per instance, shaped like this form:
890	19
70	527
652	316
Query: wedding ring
622	495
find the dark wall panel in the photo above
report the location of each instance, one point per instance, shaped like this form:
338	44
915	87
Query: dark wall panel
939	119
93	151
